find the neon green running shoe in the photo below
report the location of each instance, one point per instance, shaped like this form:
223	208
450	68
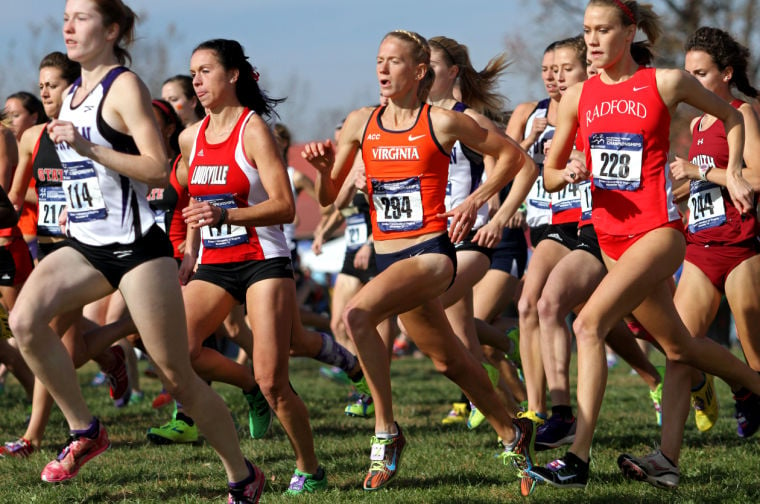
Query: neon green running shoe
364	407
176	431
476	417
705	404
259	413
301	482
514	335
656	396
458	414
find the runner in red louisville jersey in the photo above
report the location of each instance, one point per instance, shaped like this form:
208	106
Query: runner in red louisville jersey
624	125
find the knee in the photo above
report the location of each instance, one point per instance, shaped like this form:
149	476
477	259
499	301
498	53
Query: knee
678	353
356	320
22	323
273	389
587	331
548	307
526	306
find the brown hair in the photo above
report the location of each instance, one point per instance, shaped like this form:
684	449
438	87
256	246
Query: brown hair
116	11
643	16
477	87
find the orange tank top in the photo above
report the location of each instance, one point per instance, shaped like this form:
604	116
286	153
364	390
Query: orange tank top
407	172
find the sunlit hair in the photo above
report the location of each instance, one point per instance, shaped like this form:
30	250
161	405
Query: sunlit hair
186	83
231	56
32	104
116	11
725	52
170	117
643	16
420	54
478	88
70	70
578	44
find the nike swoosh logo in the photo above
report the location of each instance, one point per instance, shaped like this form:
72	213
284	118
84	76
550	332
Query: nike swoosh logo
392	465
413	138
565	478
639	88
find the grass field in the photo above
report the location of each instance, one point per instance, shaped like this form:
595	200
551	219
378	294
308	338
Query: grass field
440	465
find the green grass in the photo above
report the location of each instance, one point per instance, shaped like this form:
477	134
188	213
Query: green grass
440	465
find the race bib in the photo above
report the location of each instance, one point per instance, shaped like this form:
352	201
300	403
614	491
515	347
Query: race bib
81	189
398	204
566	199
616	160
706	207
586	201
538	198
52	202
227	235
356	231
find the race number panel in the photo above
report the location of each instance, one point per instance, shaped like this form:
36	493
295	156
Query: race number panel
616	160
81	189
228	235
398	204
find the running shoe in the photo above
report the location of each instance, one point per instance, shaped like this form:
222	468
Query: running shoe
301	482
176	431
458	414
78	450
137	397
259	413
705	404
555	432
747	414
249	490
654	468
384	460
20	448
566	472
162	399
118	379
335	374
99	379
656	395
537	418
514	355
476	417
520	452
364	407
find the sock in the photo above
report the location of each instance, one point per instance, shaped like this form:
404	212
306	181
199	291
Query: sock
511	446
335	354
181	416
90	432
572	458
388	435
701	384
564	412
240	485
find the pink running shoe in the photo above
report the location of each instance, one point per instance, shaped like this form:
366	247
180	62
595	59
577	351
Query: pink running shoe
250	489
118	379
74	455
20	448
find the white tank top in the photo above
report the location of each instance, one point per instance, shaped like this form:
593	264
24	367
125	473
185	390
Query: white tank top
466	173
538	202
103	206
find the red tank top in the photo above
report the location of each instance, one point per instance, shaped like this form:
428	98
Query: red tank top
713	218
407	172
626	128
221	174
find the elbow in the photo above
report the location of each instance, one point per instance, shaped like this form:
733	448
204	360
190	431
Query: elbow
159	180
